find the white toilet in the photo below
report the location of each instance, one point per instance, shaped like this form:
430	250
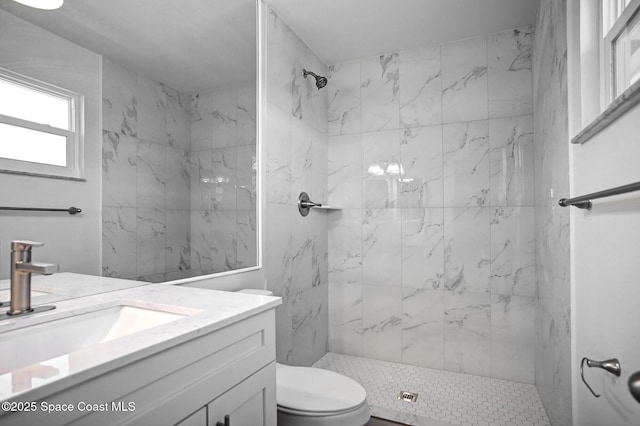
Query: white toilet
315	397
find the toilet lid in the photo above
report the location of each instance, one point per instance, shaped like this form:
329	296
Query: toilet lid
317	390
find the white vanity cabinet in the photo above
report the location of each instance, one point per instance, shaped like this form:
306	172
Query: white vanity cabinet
230	371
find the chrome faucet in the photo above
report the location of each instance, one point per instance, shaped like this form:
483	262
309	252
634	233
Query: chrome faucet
21	269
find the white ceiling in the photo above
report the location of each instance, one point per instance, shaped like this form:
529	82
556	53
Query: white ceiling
196	45
190	45
340	30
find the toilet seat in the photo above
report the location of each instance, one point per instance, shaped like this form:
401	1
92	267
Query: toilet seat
316	392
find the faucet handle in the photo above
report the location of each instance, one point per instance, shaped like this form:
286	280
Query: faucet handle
24	245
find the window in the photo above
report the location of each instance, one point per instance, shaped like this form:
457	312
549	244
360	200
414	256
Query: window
40	128
621	45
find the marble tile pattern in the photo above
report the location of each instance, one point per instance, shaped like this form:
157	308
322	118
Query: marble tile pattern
172	164
297	150
432	255
444	398
553	357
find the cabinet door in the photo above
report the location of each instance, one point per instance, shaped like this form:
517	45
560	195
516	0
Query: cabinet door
250	403
199	418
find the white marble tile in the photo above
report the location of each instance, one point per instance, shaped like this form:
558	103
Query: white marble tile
344	98
277	254
420	87
381	247
345	318
379	93
318	231
320	312
247	238
422	164
246	131
151	178
513	251
178	119
178	179
246	172
177	240
201	258
513	338
278	167
301	253
466	164
152	111
119	158
512	161
201	121
381	170
282	48
345	171
311	101
302	328
345	247
223	236
467	249
296	255
423	248
284	332
467	328
119	99
553	333
150	244
224	163
119	249
423	327
382	322
510	73
464	80
224	112
303	137
319	166
202	180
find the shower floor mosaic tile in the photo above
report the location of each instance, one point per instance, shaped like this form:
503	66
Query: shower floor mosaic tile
444	398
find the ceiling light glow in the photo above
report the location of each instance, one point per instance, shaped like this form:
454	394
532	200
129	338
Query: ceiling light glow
42	4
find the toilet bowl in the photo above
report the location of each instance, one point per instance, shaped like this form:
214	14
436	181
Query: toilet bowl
316	397
309	396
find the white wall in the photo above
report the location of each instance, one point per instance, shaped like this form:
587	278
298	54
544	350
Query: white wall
71	241
605	247
606	272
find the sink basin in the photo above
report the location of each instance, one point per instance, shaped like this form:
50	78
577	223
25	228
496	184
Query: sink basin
5	295
41	342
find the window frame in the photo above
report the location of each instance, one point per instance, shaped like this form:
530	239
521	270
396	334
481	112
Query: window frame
617	26
74	137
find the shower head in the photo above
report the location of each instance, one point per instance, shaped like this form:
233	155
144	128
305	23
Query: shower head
320	81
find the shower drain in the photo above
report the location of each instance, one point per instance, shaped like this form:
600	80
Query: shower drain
408	396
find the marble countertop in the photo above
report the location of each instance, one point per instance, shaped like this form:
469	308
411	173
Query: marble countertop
205	311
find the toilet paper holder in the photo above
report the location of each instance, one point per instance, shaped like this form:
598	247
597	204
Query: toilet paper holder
611	365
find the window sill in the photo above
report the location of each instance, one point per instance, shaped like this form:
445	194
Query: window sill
45	175
622	104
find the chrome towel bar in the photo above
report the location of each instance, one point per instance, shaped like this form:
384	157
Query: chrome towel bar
584	201
70	210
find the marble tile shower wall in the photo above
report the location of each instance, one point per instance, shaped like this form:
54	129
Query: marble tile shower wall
296	160
145	177
553	310
178	178
223	180
432	257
